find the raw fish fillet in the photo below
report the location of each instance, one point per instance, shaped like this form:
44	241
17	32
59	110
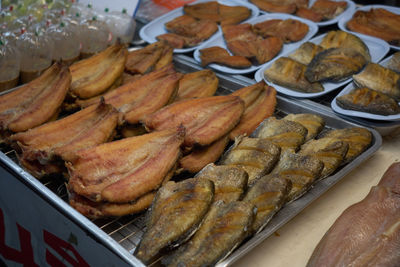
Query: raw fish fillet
124	170
368	232
177	210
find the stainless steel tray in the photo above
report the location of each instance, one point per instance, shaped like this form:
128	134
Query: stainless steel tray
122	235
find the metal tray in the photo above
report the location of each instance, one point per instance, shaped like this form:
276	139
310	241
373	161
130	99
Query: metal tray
122	235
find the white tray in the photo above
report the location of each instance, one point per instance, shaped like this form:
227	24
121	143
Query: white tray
220	41
156	27
377	48
361	114
351	6
343	21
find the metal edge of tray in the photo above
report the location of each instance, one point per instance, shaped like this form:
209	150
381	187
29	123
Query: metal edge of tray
290	210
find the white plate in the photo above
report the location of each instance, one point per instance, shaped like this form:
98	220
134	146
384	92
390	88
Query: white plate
343	21
351	6
377	49
156	27
220	41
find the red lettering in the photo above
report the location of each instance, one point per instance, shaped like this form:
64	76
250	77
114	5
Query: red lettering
25	255
61	246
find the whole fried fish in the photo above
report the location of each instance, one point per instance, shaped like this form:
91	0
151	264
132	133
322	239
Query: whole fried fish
334	65
268	194
197	84
301	170
334	39
260	103
230	182
328	150
176	212
256	156
380	79
289	30
312	122
206	119
367	100
291	74
358	139
306	52
284	133
219	55
124	170
368	232
58	141
223	229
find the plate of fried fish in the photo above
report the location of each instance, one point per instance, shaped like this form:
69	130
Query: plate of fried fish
374	93
187	27
322	12
246	47
375	20
323	64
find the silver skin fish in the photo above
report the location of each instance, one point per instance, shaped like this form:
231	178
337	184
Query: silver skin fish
367	233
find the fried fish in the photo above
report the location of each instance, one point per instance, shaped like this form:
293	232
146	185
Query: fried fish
206	119
306	52
358	139
380	79
176	212
309	14
284	133
394	62
223	229
219	55
57	141
368	232
312	122
367	100
328	150
329	9
260	103
334	65
268	194
255	155
230	182
301	170
291	74
35	102
289	30
273	6
233	14
179	41
197	84
124	170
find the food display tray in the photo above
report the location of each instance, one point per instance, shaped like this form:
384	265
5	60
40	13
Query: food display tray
122	235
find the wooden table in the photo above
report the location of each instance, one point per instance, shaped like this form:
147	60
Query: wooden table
294	243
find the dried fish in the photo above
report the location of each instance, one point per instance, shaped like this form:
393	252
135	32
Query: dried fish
306	52
312	122
197	84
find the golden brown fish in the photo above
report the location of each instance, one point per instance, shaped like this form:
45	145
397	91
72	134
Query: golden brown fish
273	6
206	119
329	9
95	210
232	14
301	170
178	41
283	133
328	150
334	39
176	212
223	229
394	62
94	75
312	122
197	84
380	79
124	170
35	102
255	155
219	55
230	182
58	141
334	65
289	30
130	130
309	14
368	232
268	194
291	74
367	100
260	103
358	139
306	52
143	96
